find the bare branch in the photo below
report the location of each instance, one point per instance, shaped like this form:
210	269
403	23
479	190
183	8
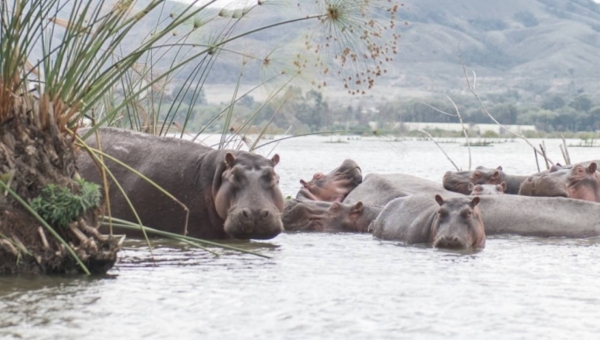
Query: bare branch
436	143
474	92
464	129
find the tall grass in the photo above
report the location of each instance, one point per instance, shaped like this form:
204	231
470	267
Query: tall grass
64	61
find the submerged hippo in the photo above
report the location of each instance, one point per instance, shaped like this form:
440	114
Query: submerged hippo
378	190
487	189
451	223
458	181
306	215
578	182
228	193
334	186
539	216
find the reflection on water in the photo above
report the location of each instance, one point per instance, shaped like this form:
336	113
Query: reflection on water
333	286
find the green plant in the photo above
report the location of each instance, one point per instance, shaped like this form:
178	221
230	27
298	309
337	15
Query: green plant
59	206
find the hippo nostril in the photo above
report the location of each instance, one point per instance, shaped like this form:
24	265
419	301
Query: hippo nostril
246	213
264	214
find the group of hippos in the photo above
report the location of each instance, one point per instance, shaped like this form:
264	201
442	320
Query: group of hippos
235	194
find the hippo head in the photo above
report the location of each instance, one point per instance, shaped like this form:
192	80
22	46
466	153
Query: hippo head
247	196
306	215
551	184
458	181
458	224
303	215
354	217
584	183
334	186
487	189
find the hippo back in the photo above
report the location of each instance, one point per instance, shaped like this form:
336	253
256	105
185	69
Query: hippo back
378	189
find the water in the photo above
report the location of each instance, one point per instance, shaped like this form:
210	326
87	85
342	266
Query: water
330	286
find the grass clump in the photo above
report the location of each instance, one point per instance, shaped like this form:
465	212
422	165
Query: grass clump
59	206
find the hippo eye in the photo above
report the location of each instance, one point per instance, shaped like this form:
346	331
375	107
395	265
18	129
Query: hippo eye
467	214
477	174
443	213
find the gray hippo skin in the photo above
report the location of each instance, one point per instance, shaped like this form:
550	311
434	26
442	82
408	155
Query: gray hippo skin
487	189
540	216
445	223
228	193
334	186
578	182
458	181
378	190
306	215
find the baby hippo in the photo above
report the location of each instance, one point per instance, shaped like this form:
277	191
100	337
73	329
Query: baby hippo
487	189
453	223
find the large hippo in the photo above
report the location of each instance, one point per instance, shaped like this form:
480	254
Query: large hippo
378	190
487	189
334	186
578	182
513	214
306	215
228	193
451	223
539	216
458	181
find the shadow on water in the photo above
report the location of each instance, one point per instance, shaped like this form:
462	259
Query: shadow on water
166	252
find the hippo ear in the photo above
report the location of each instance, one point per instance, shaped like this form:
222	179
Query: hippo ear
502	186
335	207
439	199
229	159
275	159
592	168
496	174
499	168
470	187
304	184
474	202
357	208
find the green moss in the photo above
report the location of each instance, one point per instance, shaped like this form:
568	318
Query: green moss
59	206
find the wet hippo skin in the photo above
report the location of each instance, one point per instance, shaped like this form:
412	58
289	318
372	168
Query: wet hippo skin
228	193
454	222
307	215
378	189
334	186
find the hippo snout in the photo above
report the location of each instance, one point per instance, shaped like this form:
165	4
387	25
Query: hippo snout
255	215
249	223
450	242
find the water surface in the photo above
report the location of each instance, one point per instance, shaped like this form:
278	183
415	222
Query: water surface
330	286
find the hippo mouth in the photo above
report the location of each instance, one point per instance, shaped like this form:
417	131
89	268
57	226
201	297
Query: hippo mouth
450	243
306	194
260	224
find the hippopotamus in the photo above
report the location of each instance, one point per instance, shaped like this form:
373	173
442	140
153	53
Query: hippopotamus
454	222
334	186
458	181
306	215
539	216
378	190
229	193
578	182
487	189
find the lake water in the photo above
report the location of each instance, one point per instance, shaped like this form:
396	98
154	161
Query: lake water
331	286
